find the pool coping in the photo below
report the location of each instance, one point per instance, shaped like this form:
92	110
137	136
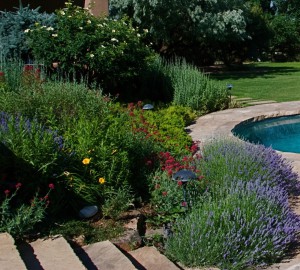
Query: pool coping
219	124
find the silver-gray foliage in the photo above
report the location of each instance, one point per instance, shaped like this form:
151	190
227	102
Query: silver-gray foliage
194	19
12	27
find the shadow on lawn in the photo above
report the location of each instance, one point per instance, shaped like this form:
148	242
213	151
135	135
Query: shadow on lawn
249	71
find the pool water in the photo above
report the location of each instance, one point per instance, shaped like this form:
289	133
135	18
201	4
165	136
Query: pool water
280	133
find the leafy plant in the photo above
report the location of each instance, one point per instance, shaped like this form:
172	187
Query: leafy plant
109	52
245	218
117	201
194	89
22	219
12	27
243	229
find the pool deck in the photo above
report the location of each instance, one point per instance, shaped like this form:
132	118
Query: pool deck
219	124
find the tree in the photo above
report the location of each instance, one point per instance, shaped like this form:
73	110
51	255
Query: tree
187	27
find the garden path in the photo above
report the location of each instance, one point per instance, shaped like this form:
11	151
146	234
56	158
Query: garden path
219	124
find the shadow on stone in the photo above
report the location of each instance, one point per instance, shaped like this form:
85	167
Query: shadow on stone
85	259
28	256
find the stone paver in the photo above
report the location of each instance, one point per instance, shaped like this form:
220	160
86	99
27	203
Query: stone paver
219	124
9	256
55	254
258	102
105	256
151	259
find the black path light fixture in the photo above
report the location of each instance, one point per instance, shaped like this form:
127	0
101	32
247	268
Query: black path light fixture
229	87
183	177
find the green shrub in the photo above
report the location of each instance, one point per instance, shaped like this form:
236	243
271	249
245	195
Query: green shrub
117	201
233	233
109	52
192	88
22	219
245	218
12	74
12	27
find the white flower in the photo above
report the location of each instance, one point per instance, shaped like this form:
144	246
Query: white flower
102	46
54	35
50	28
69	16
146	30
113	30
138	35
62	12
114	39
89	21
26	31
92	55
100	25
80	27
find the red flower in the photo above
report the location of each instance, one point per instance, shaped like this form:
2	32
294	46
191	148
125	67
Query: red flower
28	67
179	183
149	162
18	185
164	193
184	204
1	73
200	177
51	186
7	191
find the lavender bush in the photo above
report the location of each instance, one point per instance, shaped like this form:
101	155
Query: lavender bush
229	159
246	219
243	229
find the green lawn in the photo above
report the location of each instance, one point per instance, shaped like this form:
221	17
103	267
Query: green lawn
267	81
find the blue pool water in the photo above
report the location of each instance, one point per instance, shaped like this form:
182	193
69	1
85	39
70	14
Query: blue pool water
281	133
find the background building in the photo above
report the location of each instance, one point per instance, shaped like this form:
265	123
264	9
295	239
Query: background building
99	6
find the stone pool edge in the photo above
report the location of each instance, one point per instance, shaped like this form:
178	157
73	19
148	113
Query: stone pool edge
220	123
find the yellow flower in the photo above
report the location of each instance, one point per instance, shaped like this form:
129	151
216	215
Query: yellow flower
86	161
101	180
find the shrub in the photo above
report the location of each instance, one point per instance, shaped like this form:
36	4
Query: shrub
109	52
117	201
12	27
32	143
18	220
229	160
250	226
194	89
245	218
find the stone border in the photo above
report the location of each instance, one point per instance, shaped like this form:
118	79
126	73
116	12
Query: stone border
220	124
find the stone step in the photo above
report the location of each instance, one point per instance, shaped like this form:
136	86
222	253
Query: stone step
104	256
151	259
260	102
9	255
242	99
48	254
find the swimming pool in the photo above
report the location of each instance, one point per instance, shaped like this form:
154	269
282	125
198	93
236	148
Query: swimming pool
281	133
